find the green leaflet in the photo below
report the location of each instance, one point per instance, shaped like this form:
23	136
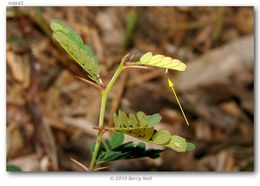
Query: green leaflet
70	41
161	137
161	61
13	168
190	146
177	143
116	140
141	126
154	119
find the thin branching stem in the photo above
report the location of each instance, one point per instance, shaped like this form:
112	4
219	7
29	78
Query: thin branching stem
104	94
100	88
135	66
80	164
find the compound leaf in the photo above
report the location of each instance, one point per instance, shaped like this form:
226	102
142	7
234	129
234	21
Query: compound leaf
73	44
125	151
141	126
160	61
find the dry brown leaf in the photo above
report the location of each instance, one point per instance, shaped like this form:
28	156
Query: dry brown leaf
14	62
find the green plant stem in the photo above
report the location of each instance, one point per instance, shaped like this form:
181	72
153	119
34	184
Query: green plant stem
104	94
100	133
94	156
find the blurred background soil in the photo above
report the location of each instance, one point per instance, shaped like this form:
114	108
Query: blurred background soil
51	114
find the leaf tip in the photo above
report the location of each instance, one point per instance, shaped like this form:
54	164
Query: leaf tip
56	25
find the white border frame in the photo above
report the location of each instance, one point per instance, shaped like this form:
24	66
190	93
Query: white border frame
173	178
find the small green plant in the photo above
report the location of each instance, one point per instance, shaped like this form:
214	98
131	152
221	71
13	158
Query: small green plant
13	168
137	125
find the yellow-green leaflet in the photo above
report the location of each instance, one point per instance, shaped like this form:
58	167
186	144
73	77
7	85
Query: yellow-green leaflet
161	61
70	41
141	126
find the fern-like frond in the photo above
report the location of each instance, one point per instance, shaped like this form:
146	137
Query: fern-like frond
70	41
114	149
141	126
148	59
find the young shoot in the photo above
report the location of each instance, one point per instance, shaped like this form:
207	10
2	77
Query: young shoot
137	125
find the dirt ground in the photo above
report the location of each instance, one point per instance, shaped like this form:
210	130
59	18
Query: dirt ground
51	114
